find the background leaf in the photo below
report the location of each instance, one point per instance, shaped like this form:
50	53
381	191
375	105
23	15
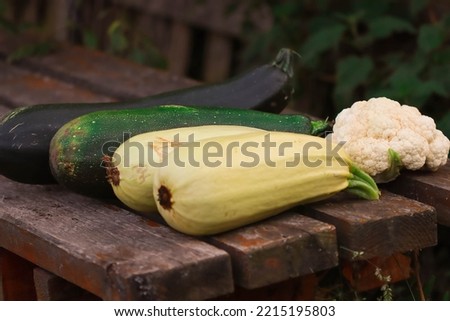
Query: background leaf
416	6
322	40
118	40
351	72
384	26
370	7
31	49
444	124
90	39
430	37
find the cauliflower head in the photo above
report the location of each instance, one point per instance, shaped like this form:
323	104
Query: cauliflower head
381	137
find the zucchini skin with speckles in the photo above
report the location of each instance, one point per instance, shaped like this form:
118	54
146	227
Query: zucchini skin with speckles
25	133
78	149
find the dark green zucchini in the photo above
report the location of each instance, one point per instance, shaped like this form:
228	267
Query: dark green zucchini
25	133
78	149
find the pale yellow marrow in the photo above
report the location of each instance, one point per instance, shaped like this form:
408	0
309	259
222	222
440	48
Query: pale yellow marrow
203	199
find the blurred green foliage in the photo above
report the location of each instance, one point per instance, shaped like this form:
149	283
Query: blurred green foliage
110	29
34	48
120	37
357	49
350	49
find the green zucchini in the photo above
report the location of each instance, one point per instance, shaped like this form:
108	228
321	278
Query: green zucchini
79	149
25	133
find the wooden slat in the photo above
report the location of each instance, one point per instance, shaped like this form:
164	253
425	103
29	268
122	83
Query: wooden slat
19	87
367	229
97	71
432	188
218	57
290	244
57	19
211	15
16	277
50	287
180	48
105	74
106	250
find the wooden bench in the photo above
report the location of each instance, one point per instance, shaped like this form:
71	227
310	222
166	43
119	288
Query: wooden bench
181	30
55	244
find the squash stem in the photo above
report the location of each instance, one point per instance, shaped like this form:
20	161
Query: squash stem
319	127
362	184
283	60
395	165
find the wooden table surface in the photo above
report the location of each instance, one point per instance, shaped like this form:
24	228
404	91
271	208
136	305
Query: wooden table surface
113	253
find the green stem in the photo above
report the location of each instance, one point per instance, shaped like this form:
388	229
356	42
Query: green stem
361	184
283	60
319	127
395	165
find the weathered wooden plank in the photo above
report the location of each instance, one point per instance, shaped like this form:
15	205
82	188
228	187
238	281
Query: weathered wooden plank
50	287
97	71
218	57
214	16
106	250
57	19
431	188
105	74
16	277
180	48
367	229
290	244
19	87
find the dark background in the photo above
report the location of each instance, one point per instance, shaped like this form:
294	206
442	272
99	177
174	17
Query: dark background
350	49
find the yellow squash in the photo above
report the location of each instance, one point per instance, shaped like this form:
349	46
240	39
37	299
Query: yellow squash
231	181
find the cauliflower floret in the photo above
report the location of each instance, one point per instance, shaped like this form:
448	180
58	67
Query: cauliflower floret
411	147
381	127
439	147
380	134
369	153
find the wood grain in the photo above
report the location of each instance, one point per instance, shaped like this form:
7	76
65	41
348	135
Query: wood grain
280	248
108	75
106	250
19	87
367	229
210	15
179	52
432	188
218	57
96	71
